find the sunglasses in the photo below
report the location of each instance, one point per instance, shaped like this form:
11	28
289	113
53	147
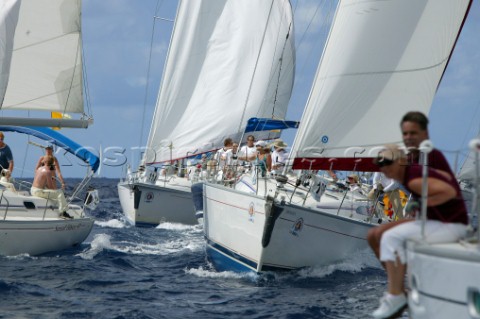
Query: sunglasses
382	162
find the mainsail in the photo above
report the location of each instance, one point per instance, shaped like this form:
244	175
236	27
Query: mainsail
228	61
382	59
8	21
46	63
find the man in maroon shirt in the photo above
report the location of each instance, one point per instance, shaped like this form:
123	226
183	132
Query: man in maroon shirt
446	222
414	126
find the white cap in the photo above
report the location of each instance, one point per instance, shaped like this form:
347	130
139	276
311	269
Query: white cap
261	143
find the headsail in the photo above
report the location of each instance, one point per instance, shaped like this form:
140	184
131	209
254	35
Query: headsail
46	65
228	61
382	59
468	170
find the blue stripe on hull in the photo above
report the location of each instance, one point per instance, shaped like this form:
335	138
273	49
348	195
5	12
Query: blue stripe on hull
224	259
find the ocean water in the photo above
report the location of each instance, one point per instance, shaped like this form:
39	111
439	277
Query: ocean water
122	271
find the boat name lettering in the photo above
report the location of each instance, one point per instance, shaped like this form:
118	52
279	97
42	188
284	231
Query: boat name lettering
68	227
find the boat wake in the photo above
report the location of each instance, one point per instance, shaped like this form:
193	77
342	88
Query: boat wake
357	262
98	244
208	272
187	243
112	223
180	227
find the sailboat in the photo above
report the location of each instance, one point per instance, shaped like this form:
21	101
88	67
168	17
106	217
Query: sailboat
41	70
228	61
381	59
456	263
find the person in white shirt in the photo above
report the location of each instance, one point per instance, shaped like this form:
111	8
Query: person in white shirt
248	153
391	188
224	155
354	186
279	155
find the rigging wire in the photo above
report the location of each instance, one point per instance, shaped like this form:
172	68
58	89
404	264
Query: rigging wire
329	8
22	171
242	118
321	7
472	126
280	70
86	86
147	86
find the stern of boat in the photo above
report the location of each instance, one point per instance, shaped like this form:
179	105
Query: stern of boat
444	280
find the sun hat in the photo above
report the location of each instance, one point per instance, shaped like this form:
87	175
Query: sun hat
354	177
279	143
389	154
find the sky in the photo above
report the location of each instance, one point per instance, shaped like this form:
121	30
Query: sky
124	51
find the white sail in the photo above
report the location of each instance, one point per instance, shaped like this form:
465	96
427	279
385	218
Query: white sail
468	170
382	59
46	66
219	73
8	21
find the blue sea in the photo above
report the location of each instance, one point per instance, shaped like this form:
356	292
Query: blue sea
122	271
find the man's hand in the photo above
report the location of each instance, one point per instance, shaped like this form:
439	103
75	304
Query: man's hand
411	208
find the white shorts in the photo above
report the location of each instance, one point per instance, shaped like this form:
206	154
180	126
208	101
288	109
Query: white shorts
393	242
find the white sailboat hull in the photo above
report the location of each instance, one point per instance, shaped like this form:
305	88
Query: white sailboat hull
35	237
31	225
443	279
146	204
236	224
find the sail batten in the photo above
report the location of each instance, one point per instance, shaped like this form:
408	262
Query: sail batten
382	59
227	61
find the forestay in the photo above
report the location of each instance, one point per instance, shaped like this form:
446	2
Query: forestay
228	61
382	59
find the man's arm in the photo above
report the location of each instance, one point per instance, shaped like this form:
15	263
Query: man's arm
10	168
59	173
439	192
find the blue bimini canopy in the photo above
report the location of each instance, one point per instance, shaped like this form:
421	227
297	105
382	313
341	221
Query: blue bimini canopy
263	124
58	139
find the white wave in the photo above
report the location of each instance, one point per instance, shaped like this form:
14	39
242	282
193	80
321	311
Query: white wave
357	262
21	257
179	227
189	241
113	223
207	273
98	244
167	247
